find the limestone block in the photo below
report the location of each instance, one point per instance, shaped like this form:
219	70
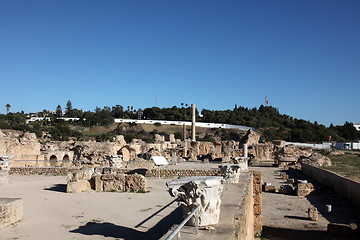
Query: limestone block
113	185
313	214
99	184
257	177
304	189
107	177
257	227
257	218
11	211
268	188
257	189
135	182
80	175
257	209
258	199
78	186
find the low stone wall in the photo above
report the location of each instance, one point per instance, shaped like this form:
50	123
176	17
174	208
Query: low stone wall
52	171
146	172
344	186
244	214
257	191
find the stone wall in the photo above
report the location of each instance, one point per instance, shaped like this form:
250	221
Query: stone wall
244	214
342	185
257	191
143	171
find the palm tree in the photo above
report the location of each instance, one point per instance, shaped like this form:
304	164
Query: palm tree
8	106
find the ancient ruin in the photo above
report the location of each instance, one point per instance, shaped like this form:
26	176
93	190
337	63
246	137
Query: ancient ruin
11	211
104	180
199	191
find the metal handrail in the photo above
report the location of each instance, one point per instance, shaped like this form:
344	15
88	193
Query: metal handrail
181	225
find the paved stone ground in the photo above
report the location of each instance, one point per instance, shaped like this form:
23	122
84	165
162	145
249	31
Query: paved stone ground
50	213
285	216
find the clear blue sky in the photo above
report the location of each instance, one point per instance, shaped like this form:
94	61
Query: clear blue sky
303	55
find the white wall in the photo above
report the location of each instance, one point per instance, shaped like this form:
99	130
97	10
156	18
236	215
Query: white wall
180	123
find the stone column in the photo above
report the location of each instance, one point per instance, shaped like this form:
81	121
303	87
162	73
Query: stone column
184	132
193	123
200	190
245	150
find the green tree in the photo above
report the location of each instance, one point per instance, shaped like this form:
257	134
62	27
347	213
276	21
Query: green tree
68	106
58	111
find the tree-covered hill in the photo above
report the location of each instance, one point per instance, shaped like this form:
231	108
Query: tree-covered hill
265	119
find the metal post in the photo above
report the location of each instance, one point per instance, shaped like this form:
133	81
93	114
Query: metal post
196	222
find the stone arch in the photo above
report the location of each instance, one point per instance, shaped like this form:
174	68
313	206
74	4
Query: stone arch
53	160
66	160
127	153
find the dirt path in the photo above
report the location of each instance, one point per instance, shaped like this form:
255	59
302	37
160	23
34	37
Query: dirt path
285	216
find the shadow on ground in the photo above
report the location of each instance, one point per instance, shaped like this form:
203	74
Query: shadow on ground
57	188
107	229
293	234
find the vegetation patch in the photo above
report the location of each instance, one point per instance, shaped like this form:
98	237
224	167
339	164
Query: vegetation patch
347	165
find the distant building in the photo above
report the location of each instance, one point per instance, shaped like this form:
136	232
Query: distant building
357	126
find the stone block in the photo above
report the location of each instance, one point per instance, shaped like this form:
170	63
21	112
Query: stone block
269	188
257	189
258	199
106	177
257	209
99	184
258	227
78	186
257	218
304	189
135	182
313	214
11	211
114	186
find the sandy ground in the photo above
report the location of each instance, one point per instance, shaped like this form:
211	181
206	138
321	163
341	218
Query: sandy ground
285	216
50	213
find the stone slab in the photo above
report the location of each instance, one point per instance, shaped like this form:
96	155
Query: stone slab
11	211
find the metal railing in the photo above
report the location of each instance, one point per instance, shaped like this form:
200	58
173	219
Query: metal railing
182	224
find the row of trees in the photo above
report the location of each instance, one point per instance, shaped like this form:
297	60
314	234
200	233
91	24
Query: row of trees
265	119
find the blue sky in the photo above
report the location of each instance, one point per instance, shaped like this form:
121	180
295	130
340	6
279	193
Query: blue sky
304	56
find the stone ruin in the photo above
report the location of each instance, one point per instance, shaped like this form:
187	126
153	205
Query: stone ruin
11	211
104	180
5	164
28	151
199	191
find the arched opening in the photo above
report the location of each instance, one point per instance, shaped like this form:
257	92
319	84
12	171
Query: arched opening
53	160
125	153
66	161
